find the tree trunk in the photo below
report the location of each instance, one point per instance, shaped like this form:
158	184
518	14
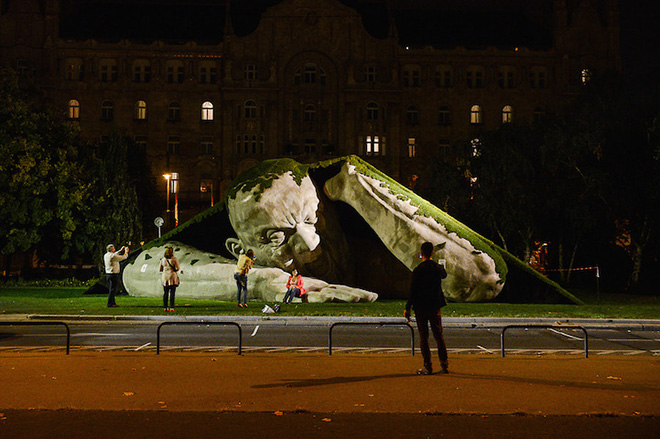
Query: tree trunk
571	264
497	229
560	261
638	245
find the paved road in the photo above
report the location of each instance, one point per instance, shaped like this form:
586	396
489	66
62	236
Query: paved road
627	338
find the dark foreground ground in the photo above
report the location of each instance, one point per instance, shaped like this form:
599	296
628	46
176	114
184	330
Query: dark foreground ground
92	394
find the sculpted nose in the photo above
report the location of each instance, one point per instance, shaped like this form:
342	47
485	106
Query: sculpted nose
306	239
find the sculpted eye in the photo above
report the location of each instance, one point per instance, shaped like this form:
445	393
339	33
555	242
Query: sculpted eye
275	237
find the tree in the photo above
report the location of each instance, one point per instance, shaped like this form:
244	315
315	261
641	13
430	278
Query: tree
40	192
59	199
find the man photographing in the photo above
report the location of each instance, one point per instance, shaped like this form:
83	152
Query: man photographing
426	298
111	262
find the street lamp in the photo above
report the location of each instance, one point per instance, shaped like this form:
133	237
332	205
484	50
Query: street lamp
175	191
167	177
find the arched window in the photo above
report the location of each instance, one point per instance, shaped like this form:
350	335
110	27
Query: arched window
475	115
412	115
74	109
140	110
174	111
310	113
372	111
507	114
250	109
207	111
107	110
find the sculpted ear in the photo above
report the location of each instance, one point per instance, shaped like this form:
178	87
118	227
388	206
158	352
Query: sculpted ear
234	246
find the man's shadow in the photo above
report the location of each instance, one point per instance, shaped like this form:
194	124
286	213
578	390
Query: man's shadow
314	382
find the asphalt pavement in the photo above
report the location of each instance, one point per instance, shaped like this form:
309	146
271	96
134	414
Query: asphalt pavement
221	394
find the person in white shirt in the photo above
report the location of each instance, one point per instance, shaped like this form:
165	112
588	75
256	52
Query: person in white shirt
111	261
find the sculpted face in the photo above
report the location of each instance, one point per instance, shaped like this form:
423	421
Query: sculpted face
282	226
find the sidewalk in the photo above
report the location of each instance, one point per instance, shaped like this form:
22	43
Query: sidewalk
298	391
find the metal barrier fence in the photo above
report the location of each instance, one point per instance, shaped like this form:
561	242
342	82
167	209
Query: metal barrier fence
586	337
412	331
240	331
68	331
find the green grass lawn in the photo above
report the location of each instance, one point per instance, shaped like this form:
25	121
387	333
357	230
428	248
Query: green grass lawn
70	300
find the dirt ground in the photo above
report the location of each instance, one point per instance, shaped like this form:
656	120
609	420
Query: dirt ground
126	394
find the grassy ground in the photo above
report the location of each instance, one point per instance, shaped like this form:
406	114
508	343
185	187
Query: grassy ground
70	300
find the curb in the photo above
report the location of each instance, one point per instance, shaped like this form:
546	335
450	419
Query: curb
466	322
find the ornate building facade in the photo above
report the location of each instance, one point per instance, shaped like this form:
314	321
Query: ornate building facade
310	79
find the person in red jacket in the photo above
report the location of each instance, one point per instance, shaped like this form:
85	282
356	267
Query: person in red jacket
294	287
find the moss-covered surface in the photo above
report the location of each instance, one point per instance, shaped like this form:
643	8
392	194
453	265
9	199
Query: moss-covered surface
263	174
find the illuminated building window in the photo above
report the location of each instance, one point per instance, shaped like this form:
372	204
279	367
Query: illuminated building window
412	147
250	72
586	76
207	111
141	70
310	113
250	110
74	110
507	114
108	70
374	145
173	145
372	111
475	115
73	69
444	116
208	72
371	73
506	77
538	77
412	75
475	77
140	110
412	115
206	144
174	112
107	110
443	77
174	72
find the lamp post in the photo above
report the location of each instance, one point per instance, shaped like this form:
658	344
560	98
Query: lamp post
167	177
175	191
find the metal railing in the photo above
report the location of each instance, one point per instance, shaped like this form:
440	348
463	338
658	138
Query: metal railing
240	331
412	331
68	331
586	337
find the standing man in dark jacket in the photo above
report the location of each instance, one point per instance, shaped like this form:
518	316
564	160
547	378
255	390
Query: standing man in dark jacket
426	298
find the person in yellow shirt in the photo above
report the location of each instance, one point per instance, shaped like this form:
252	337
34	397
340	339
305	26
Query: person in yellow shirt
245	263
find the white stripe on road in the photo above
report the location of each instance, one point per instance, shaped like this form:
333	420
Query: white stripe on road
566	335
256	328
